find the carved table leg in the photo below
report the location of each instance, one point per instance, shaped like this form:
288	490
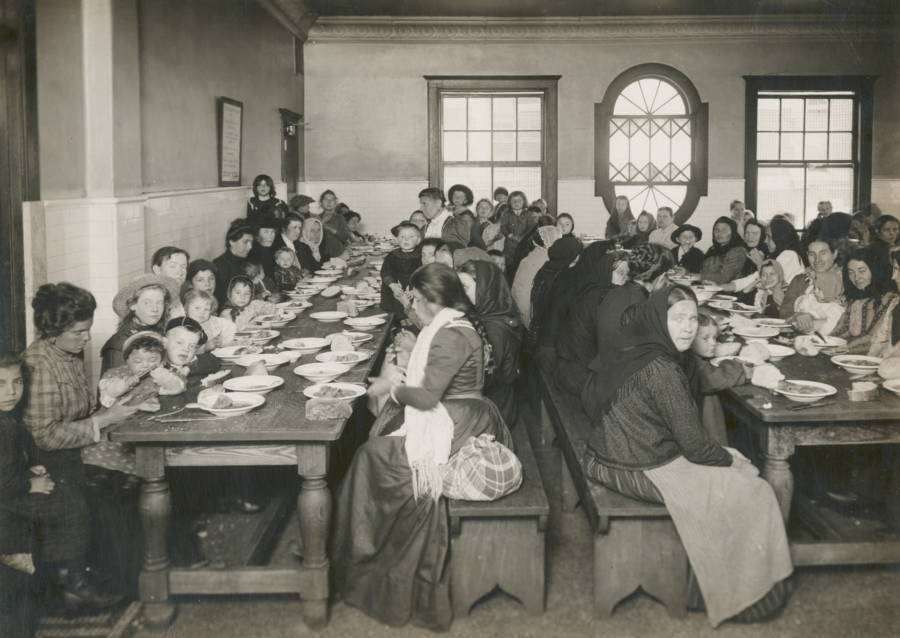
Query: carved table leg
156	511
314	512
777	471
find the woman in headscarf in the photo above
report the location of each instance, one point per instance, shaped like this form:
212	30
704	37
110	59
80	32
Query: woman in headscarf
488	291
311	249
871	321
561	256
725	259
592	326
392	532
619	218
537	242
462	255
755	237
645	225
648	443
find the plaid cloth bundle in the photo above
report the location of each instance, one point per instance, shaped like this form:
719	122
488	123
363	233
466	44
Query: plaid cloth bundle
482	470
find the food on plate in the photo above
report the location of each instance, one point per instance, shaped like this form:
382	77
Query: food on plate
858	363
256	368
319	409
755	351
345	357
243	350
333	392
863	386
211	379
766	376
798	388
341	343
331	291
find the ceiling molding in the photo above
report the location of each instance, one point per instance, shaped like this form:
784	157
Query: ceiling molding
607	29
294	15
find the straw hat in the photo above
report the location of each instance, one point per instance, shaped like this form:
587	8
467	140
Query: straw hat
128	292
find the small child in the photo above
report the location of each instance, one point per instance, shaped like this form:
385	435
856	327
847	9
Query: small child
398	267
139	382
707	380
200	306
688	258
286	274
184	337
241	308
263	287
770	289
498	259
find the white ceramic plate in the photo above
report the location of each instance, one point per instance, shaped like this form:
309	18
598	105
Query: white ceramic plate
349	390
856	363
347	358
305	344
356	338
236	352
295	307
257	383
258	336
278	319
758	332
364	323
777	352
892	385
829	342
816	390
733	306
772	322
271	361
321	372
246	401
328	316
717	360
322	280
328	272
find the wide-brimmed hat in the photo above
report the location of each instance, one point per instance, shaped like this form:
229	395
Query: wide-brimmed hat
128	291
697	232
404	224
470	198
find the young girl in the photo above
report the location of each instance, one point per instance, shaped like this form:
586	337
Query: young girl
241	308
770	289
201	306
287	274
263	287
398	267
646	224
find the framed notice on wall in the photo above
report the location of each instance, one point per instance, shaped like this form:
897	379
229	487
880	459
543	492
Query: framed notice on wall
230	114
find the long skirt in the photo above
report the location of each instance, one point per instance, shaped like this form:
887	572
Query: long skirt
390	550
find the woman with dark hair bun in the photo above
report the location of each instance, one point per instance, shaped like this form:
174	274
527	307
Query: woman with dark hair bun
392	531
264	203
233	262
60	415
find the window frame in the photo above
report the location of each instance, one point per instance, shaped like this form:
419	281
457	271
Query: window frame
544	84
862	87
698	114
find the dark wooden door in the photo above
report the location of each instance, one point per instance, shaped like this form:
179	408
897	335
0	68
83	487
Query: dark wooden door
19	173
290	149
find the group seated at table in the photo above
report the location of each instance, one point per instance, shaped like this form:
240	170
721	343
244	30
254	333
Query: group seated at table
479	299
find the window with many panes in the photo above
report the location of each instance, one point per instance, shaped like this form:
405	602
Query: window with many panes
808	140
651	141
486	133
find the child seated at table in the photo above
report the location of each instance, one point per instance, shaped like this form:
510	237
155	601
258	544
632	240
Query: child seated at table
200	306
398	267
770	289
707	379
241	308
287	275
184	337
263	287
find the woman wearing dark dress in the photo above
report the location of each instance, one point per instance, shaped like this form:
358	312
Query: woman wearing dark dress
264	203
392	536
231	263
488	291
725	259
263	251
312	250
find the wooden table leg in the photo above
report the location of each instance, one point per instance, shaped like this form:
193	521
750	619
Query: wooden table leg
777	470
314	512
156	512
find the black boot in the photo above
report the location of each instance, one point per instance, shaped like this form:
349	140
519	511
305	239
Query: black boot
77	593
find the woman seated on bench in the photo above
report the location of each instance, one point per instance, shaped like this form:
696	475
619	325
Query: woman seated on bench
648	443
392	540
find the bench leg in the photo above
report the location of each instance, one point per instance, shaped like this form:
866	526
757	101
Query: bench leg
616	568
546	433
665	575
505	553
567	486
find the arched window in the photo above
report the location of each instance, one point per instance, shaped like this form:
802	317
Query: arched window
651	141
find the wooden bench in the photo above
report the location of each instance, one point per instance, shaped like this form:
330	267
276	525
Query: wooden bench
635	543
501	543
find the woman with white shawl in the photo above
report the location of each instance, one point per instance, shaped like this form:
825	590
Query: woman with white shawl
392	531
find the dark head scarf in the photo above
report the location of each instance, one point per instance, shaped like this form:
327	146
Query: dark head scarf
877	258
561	254
646	339
463	255
717	250
493	300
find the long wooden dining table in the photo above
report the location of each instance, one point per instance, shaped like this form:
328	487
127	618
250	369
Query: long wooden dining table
275	434
782	426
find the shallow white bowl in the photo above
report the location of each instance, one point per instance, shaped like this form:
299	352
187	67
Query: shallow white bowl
305	344
892	385
364	323
778	352
229	352
825	390
271	361
248	400
321	372
347	358
850	363
352	389
256	383
328	316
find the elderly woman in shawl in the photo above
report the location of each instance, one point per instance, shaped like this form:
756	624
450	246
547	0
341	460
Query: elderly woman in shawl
648	443
392	532
814	301
725	259
561	255
488	291
312	250
540	241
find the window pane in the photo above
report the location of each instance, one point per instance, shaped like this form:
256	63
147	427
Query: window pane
841	146
681	155
668	101
639	154
454	113
816	115
672	196
524	178
529	114
841	115
480	147
478	178
792	146
767	115
504	113
779	189
659	156
792	115
767	146
504	147
625	106
454	147
479	113
618	153
834	183
816	146
529	146
637	197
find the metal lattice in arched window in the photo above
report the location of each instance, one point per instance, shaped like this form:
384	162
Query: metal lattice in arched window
651	141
